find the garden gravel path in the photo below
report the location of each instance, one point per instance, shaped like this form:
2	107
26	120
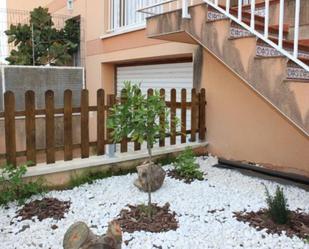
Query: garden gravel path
204	210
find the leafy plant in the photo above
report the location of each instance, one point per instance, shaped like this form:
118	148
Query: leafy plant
277	206
13	186
186	166
137	118
40	43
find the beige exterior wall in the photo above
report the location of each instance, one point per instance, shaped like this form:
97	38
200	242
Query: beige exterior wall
241	125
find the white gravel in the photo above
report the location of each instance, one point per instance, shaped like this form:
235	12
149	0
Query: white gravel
102	201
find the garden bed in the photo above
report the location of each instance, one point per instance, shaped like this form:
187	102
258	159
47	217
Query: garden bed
204	211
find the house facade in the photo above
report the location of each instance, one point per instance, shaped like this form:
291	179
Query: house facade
257	100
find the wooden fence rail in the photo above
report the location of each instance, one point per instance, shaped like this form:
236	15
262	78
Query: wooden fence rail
197	106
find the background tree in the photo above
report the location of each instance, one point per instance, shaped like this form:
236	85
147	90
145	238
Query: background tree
137	118
40	43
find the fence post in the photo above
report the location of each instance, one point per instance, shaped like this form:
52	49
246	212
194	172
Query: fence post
173	116
193	115
84	123
149	93
10	136
68	138
202	115
124	141
30	127
50	126
101	122
137	145
183	115
162	121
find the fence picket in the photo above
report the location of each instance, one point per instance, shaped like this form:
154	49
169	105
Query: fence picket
84	123
183	115
100	122
162	121
50	126
9	124
202	114
173	117
30	127
68	137
193	115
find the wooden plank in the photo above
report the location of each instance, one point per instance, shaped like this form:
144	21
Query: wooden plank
183	115
84	123
193	115
9	125
50	126
173	117
162	121
202	115
101	122
68	136
124	141
30	127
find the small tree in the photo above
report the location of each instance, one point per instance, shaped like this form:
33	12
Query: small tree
137	119
40	43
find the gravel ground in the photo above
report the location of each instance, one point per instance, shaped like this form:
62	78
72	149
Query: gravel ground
225	190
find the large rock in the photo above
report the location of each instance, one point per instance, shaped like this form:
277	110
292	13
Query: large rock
79	236
156	177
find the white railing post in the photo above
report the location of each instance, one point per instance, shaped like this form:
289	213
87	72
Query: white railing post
266	19
185	9
296	28
281	20
252	22
239	10
228	4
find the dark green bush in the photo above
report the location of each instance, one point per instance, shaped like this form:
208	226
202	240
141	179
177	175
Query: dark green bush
277	206
186	166
13	187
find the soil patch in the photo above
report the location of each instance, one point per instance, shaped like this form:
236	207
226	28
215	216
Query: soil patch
136	219
174	174
45	208
298	224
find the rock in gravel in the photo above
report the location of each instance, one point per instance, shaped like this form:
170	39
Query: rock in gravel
79	236
152	173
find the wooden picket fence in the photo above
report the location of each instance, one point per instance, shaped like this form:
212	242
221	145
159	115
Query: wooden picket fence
104	102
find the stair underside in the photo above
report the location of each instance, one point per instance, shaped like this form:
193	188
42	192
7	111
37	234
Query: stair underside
270	76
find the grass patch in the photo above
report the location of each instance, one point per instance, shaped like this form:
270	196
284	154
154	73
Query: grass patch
91	176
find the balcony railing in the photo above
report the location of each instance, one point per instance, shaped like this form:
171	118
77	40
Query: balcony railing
123	15
224	7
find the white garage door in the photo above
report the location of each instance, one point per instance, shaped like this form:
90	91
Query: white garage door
167	76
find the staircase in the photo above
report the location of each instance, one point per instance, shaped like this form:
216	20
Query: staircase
273	73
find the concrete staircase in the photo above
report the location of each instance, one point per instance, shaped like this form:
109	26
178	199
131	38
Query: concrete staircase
280	81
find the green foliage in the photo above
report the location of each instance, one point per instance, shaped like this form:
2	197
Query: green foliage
137	118
91	176
306	240
49	45
186	166
277	206
166	160
14	188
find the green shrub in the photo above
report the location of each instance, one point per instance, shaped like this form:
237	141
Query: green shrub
166	160
14	188
277	206
186	166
